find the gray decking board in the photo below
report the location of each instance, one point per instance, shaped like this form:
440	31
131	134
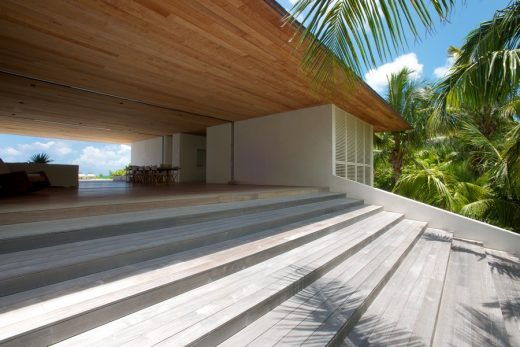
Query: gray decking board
306	230
17	237
197	321
35	256
334	328
28	269
404	312
469	314
505	270
296	320
306	269
167	276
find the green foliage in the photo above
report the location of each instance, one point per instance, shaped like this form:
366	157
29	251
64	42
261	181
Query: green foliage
41	158
464	152
485	68
119	172
341	37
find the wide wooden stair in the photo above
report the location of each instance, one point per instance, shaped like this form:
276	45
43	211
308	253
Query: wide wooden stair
314	268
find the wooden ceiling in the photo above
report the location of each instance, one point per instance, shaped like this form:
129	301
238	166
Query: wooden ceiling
122	71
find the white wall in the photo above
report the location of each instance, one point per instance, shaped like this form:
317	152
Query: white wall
291	148
176	150
167	150
147	152
185	147
462	227
218	154
296	148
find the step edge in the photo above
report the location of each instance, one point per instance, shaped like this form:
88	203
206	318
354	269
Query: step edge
47	326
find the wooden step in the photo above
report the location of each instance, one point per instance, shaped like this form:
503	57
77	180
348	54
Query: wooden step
41	319
304	231
288	236
404	312
321	313
470	313
24	236
505	269
25	270
227	305
41	212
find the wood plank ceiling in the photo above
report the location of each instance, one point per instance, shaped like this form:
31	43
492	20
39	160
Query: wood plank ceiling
122	71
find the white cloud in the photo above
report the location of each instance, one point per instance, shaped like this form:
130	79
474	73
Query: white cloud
22	152
9	153
56	148
378	78
442	71
101	159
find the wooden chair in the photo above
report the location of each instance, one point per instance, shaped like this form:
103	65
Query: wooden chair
21	182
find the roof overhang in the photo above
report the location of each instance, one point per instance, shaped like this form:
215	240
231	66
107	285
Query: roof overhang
126	71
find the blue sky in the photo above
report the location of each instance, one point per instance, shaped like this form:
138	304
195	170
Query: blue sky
428	58
92	157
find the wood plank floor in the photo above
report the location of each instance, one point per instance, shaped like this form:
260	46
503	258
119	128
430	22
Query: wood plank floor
289	266
107	197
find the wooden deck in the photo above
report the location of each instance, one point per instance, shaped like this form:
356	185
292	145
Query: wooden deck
104	197
283	268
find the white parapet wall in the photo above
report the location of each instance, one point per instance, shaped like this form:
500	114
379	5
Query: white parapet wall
462	227
300	148
60	175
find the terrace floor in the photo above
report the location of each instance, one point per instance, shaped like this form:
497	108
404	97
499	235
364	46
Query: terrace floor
104	197
271	266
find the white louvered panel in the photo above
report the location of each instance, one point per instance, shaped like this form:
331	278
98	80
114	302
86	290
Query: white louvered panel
340	170
368	175
360	177
351	139
351	172
360	142
368	144
352	148
340	128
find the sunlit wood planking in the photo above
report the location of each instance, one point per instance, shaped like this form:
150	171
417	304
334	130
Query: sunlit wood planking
229	59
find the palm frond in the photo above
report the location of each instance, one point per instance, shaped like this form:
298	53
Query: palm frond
40	158
485	67
429	185
511	155
501	212
348	35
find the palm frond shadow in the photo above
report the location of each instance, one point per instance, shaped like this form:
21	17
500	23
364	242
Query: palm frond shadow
336	301
509	309
484	330
455	248
436	237
53	291
504	266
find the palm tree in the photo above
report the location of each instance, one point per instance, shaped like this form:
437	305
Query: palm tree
429	180
41	158
407	97
485	69
355	34
501	162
